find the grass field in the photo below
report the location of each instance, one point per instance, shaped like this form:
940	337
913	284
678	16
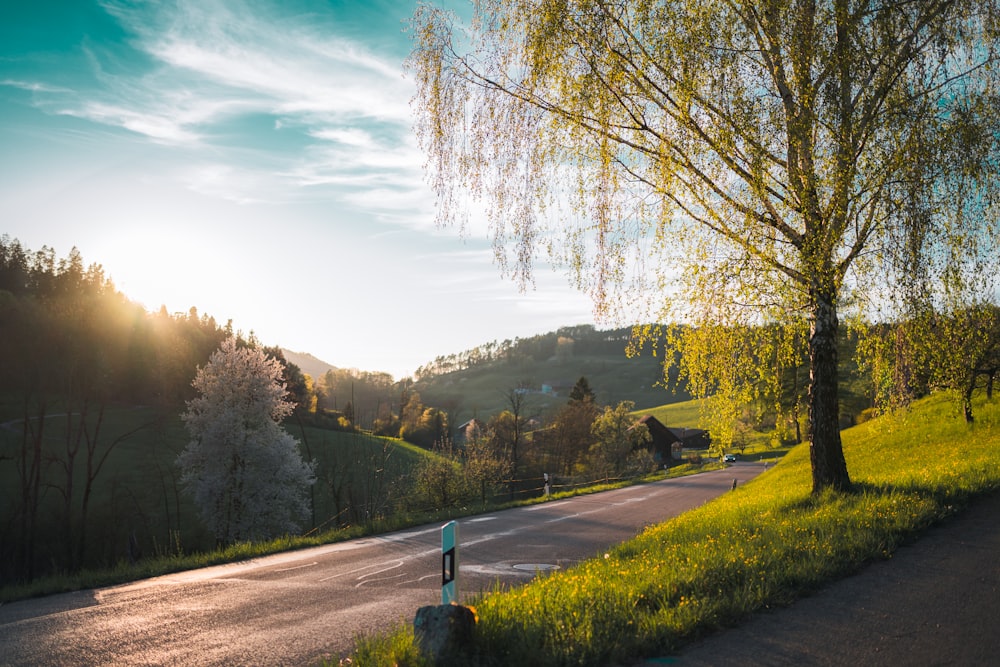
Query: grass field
676	415
764	544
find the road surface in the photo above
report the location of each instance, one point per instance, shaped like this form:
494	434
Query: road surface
293	608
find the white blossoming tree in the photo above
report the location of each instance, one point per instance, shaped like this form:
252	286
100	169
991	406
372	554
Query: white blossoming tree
242	468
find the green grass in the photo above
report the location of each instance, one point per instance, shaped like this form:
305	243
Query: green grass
765	544
676	415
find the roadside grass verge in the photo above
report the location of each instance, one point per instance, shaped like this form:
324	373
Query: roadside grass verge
764	544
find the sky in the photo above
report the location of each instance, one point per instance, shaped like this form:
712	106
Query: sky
253	160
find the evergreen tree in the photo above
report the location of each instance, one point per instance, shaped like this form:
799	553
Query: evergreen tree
581	392
571	436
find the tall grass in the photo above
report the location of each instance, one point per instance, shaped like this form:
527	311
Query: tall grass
764	544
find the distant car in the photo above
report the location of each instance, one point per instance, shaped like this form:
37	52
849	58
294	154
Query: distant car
729	458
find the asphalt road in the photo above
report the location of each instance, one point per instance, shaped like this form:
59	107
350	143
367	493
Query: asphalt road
293	608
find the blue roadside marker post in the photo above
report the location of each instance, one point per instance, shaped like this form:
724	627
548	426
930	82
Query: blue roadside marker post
449	563
444	632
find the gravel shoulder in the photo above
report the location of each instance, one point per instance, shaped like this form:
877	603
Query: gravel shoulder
936	601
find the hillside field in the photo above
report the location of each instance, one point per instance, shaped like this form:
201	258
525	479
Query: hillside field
137	507
481	391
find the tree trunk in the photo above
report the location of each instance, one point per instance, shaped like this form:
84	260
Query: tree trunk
30	469
967	399
312	487
798	425
93	467
829	469
73	439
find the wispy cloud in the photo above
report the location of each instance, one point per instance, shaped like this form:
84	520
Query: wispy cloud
347	136
286	65
33	86
159	127
210	69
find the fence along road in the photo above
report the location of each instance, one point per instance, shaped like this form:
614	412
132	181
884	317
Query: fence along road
295	607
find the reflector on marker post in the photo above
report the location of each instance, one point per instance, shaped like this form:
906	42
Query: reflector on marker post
449	562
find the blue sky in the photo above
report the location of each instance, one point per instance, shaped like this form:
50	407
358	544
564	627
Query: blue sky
253	160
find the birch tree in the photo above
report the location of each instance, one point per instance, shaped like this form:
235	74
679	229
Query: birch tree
732	162
242	468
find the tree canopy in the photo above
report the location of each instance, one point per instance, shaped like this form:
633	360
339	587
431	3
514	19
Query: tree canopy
619	442
731	162
243	470
581	391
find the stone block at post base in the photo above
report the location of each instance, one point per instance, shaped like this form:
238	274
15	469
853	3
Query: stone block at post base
444	631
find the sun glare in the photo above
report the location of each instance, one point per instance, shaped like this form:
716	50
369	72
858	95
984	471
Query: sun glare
155	265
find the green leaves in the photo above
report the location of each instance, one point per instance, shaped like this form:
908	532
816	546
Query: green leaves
723	163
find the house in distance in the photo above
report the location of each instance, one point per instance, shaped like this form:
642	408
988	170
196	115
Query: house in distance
668	444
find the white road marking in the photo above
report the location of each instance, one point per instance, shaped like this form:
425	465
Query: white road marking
297	567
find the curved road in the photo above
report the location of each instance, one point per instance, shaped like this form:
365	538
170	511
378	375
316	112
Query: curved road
295	607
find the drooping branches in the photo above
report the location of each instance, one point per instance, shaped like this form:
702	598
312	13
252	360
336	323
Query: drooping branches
764	155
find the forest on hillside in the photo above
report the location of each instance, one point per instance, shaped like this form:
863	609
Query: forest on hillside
75	349
563	343
92	387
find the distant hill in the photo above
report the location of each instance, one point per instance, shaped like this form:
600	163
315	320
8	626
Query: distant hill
476	383
308	364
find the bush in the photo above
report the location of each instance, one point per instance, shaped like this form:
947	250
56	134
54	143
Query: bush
439	482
